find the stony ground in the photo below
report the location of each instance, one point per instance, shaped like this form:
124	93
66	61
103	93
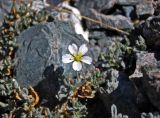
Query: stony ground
123	40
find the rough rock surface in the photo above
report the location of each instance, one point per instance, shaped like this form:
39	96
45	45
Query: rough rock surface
143	59
124	97
143	100
5	7
86	5
144	9
146	80
150	31
117	21
39	57
151	84
128	2
128	11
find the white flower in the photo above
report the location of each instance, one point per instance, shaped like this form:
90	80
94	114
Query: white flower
77	56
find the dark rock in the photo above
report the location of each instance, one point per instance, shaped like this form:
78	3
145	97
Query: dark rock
144	84
142	101
151	84
86	5
96	109
39	57
157	10
149	30
124	97
116	21
157	50
145	10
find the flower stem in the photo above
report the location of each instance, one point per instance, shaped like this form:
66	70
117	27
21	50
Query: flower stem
78	77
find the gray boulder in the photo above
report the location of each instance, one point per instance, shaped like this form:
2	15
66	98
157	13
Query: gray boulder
39	58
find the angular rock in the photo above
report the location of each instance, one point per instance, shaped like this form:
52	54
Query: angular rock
150	31
133	2
157	10
128	2
143	10
5	7
38	5
53	2
142	101
143	59
96	109
147	79
157	50
86	5
151	85
124	97
128	11
41	4
39	57
116	21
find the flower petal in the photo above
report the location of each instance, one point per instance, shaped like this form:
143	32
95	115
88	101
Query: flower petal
83	49
77	66
86	59
73	49
67	58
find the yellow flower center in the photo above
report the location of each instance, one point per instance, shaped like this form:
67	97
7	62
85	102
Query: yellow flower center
77	57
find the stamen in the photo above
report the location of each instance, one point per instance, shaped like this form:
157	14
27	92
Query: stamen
78	57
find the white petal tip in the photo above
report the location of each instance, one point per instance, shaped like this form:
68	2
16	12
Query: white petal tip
67	58
77	66
73	48
87	60
83	49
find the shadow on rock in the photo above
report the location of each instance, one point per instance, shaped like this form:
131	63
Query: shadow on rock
49	86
